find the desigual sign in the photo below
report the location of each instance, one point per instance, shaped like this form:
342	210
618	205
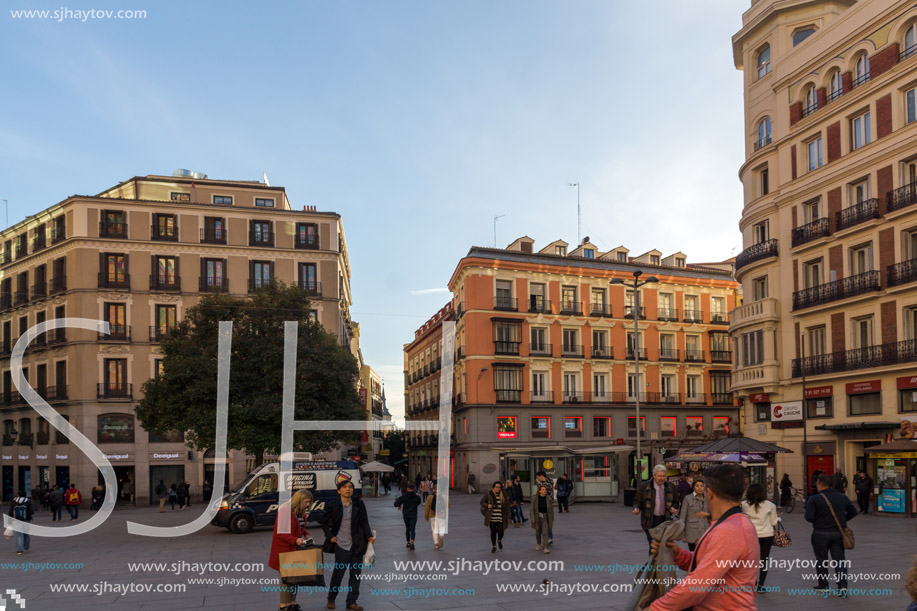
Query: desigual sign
164	455
788	410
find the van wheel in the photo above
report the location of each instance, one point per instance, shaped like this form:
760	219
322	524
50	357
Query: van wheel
241	524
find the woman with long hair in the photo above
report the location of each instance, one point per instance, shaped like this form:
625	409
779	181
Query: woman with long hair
294	515
495	507
542	518
763	515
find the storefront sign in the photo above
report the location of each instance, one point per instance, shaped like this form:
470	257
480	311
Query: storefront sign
819	391
787	424
5	457
759	397
859	388
548	464
117	456
820	448
907	382
41	457
165	456
21	457
506	427
891	500
61	456
787	410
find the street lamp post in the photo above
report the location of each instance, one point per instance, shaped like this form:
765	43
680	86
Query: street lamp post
636	284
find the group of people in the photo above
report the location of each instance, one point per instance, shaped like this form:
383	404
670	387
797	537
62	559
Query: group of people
179	494
24	507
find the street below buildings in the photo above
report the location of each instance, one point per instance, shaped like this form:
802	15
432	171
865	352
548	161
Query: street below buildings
211	568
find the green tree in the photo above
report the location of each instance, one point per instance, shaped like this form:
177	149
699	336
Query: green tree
183	397
394	442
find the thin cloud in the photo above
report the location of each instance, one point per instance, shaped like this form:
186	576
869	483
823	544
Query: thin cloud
429	291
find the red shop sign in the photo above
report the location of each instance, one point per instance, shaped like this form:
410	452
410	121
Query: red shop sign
759	397
858	388
821	391
907	382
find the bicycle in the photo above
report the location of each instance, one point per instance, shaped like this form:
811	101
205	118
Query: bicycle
796	494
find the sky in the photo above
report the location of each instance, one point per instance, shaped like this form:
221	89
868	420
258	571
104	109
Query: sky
417	121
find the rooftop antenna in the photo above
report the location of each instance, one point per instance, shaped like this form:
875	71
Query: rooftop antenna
496	218
579	224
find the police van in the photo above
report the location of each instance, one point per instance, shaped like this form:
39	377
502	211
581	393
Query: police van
256	501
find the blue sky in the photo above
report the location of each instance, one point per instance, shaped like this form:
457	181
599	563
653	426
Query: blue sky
417	121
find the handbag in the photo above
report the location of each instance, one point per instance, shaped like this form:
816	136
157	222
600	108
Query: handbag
302	567
846	532
370	556
781	536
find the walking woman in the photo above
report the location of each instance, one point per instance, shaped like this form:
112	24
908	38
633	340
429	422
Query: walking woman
495	507
436	525
542	518
515	504
786	490
763	515
694	515
293	515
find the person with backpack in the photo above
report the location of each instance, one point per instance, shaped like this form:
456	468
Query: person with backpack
56	502
73	500
162	495
21	509
173	496
408	504
563	486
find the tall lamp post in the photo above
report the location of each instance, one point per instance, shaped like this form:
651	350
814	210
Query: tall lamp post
636	284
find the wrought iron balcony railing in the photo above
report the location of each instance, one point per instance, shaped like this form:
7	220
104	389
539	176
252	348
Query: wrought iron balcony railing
901	198
881	355
756	252
856	214
839	289
902	273
507	304
811	231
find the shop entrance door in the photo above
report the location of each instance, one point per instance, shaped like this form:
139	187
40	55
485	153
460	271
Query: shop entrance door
825	464
62	477
127	482
168	474
7	482
25	479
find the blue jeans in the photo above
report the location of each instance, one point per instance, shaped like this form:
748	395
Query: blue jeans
410	526
56	513
516	514
824	541
22	539
344	560
74	511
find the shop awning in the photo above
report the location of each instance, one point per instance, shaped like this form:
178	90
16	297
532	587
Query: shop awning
894	447
740	444
554	450
742	458
856	426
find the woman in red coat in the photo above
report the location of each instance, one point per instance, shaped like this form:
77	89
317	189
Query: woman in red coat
282	543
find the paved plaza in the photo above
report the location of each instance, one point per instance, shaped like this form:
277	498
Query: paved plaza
591	534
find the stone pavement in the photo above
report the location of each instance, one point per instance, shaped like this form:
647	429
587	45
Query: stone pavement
592	533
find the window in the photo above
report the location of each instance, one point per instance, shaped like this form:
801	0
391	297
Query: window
508	384
764	61
261	234
752	348
694	426
571	386
600	387
598	301
668	387
306	235
570	337
679	262
718	309
600	346
165	227
762	412
506	427
860	131
59	437
308	279
622	256
822	407
817	345
589	253
264	202
539	345
911	105
58	229
811	101
167	437
540	387
261	274
505	295
861	259
835	86
158	367
667	349
692	308
761	231
910	41
868	403
560	250
632	426
815	158
859	192
114	224
601	426
693	392
666	306
812	273
214	230
668	426
165	272
801	35
213	274
759	288
541	427
115	378
654	259
573	426
910	322
861	71
568	299
506	338
222	199
180	197
166	319
721	425
810	211
631	386
862	332
764	133
116	317
537	300
907	400
116	428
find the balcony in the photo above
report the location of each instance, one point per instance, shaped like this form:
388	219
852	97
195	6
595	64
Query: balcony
856	214
20	298
667	314
811	232
261	238
6	348
58	284
600	309
572	351
164	233
668	354
907	52
114	390
165	282
113	230
693	316
6	300
640	353
214	284
760	143
902	273
57	336
719	318
541	349
831	96
763	310
570	396
810	109
695	356
307	242
539	305
504	347
901	198
629	312
839	289
542	397
757	252
55	393
506	304
459	353
571	307
881	355
21	250
509	396
213	235
39	242
721	398
860	80
756	376
602	352
58	233
25	439
157	333
118	281
721	356
118	333
42	439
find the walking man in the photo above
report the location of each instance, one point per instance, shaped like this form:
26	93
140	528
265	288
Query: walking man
563	493
21	509
656	500
74	498
863	485
162	495
829	510
347	534
408	503
471	488
56	501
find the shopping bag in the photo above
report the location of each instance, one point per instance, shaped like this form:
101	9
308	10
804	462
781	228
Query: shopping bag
303	567
9	532
370	556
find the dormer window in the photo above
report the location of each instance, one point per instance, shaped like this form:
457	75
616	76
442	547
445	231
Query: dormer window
180	197
800	35
589	253
622	256
560	250
654	259
679	262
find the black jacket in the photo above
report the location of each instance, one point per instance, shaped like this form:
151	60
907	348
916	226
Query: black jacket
862	484
819	515
24	501
409	502
360	532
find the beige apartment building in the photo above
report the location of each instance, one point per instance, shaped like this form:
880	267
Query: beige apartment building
138	255
544	374
829	225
